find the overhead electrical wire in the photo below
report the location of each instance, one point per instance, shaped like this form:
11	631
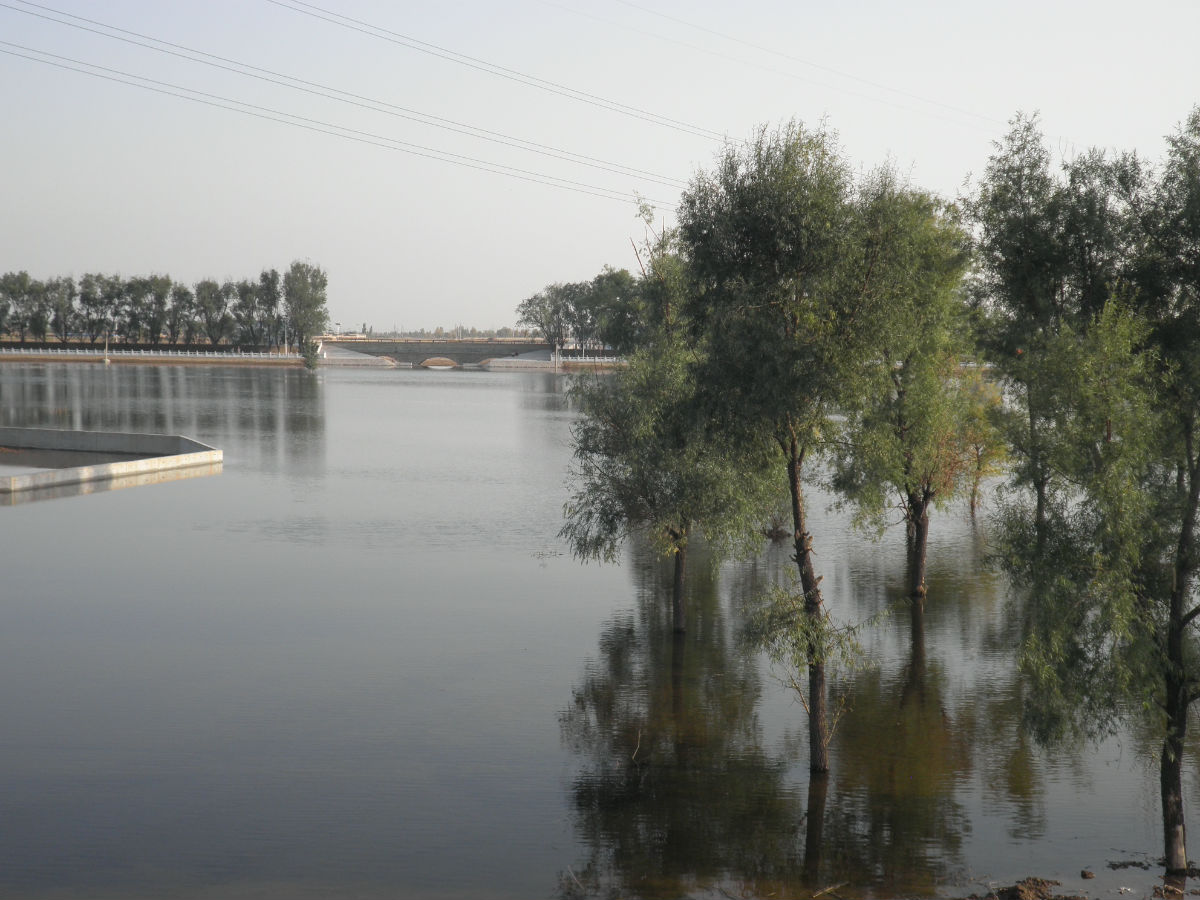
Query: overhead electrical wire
806	62
332	93
309	124
553	87
783	73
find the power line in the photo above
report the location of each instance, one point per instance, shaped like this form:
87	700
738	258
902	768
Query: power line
285	118
543	84
783	73
336	94
806	62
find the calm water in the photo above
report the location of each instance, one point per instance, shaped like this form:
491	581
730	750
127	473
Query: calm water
358	663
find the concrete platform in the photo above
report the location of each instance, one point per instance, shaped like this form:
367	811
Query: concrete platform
40	463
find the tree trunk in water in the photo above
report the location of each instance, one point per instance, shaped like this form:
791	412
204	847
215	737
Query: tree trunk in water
678	611
1171	764
917	546
678	725
1171	788
677	651
917	634
818	725
976	482
1177	688
914	682
814	822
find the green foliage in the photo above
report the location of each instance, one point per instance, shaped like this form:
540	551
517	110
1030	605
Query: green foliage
614	296
150	307
212	305
268	296
643	461
159	287
1090	644
603	312
547	313
767	238
983	442
16	294
62	296
247	323
906	443
308	352
781	626
1094	308
304	286
180	314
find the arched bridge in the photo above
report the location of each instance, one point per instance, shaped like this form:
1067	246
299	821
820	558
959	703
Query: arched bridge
417	351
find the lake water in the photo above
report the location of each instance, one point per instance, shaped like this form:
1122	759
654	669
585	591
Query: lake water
359	663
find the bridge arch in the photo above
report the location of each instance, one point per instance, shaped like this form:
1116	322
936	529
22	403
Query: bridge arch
415	351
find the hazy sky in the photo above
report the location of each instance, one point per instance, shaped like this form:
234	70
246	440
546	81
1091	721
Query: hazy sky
98	175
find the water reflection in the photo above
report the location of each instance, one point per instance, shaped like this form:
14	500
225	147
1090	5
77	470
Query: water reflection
679	792
901	754
935	714
271	420
83	488
354	665
676	793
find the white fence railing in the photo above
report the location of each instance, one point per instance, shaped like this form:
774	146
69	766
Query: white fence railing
90	351
590	359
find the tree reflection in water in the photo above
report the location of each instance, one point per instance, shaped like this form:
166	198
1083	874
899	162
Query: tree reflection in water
678	794
901	754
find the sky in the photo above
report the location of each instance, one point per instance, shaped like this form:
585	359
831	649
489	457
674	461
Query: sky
442	161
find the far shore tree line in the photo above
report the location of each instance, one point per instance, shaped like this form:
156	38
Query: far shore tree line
270	311
590	316
806	326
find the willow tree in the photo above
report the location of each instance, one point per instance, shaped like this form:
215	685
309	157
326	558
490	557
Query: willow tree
787	260
1114	598
1165	210
645	457
1048	247
907	444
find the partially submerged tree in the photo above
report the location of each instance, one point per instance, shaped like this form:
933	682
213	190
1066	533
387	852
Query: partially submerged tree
791	264
986	452
1166	210
643	463
1109	550
765	235
905	445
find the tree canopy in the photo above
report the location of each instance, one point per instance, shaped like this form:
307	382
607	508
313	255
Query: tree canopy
151	309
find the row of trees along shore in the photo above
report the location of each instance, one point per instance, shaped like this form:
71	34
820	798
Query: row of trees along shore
808	326
273	310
